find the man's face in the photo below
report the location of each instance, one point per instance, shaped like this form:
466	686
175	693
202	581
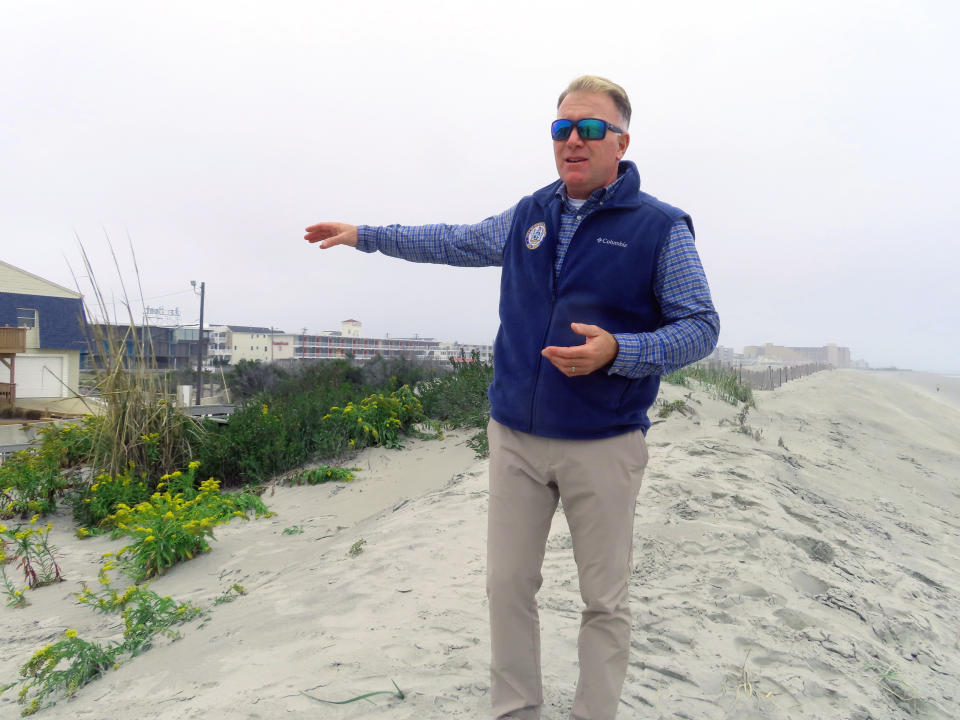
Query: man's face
585	165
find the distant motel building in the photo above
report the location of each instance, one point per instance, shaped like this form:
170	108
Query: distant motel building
233	343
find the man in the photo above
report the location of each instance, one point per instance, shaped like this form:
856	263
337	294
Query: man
602	292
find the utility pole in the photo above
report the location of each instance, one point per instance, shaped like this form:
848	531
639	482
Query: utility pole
200	342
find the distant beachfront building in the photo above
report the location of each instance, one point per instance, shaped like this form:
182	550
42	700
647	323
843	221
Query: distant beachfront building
721	355
52	318
348	340
229	344
830	354
163	348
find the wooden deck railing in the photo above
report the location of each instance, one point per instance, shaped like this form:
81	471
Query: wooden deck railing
13	340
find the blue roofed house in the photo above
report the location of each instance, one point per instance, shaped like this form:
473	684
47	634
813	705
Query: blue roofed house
49	366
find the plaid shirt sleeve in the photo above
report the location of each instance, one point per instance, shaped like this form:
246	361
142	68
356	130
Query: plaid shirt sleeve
478	245
690	322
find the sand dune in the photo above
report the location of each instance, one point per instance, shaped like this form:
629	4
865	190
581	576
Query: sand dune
806	569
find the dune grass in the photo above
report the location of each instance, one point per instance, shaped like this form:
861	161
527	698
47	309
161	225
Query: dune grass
723	384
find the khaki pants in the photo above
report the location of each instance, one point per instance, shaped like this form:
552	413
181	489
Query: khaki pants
598	482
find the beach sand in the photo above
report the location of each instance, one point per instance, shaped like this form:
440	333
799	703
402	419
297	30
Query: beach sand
803	565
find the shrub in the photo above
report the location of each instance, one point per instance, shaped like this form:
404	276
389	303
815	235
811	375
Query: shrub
460	399
94	502
29	483
175	524
252	377
376	420
270	435
70	443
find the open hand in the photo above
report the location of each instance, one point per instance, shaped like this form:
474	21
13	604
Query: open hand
329	234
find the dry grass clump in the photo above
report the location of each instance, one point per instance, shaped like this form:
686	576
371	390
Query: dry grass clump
141	426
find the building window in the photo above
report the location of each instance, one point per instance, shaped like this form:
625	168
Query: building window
26	317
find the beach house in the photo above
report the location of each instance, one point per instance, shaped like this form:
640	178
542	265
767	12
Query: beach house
46	362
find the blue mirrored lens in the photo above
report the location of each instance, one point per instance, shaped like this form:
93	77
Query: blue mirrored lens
560	129
591	129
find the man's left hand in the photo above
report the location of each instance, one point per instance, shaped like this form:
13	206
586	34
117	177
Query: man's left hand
599	350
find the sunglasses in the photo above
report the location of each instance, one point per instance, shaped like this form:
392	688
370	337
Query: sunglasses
587	129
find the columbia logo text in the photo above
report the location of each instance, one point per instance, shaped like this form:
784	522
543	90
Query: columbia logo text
608	241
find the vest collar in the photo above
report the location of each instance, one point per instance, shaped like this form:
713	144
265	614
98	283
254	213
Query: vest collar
627	193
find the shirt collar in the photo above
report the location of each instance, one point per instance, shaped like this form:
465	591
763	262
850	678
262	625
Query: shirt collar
595	197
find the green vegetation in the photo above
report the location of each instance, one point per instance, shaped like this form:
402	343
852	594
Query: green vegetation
723	384
30	550
134	472
272	434
29	483
322	474
679	406
72	662
174	526
397	693
459	399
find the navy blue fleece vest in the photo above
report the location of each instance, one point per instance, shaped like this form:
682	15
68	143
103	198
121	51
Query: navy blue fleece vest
606	280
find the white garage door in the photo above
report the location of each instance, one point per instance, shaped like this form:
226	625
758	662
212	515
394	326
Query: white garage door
36	376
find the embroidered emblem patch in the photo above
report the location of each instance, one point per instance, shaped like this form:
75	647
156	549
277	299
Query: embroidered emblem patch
535	235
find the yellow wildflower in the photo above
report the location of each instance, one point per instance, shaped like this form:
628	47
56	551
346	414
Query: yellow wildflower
71	633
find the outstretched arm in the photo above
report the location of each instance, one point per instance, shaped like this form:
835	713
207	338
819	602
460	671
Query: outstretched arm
477	245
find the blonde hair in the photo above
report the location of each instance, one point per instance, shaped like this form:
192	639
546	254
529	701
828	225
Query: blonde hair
596	84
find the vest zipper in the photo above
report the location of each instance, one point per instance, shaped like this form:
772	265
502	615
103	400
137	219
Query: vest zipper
536	384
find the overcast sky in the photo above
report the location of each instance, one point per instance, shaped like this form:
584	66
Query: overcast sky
816	145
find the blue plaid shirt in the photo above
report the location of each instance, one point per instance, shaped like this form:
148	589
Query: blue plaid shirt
690	322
